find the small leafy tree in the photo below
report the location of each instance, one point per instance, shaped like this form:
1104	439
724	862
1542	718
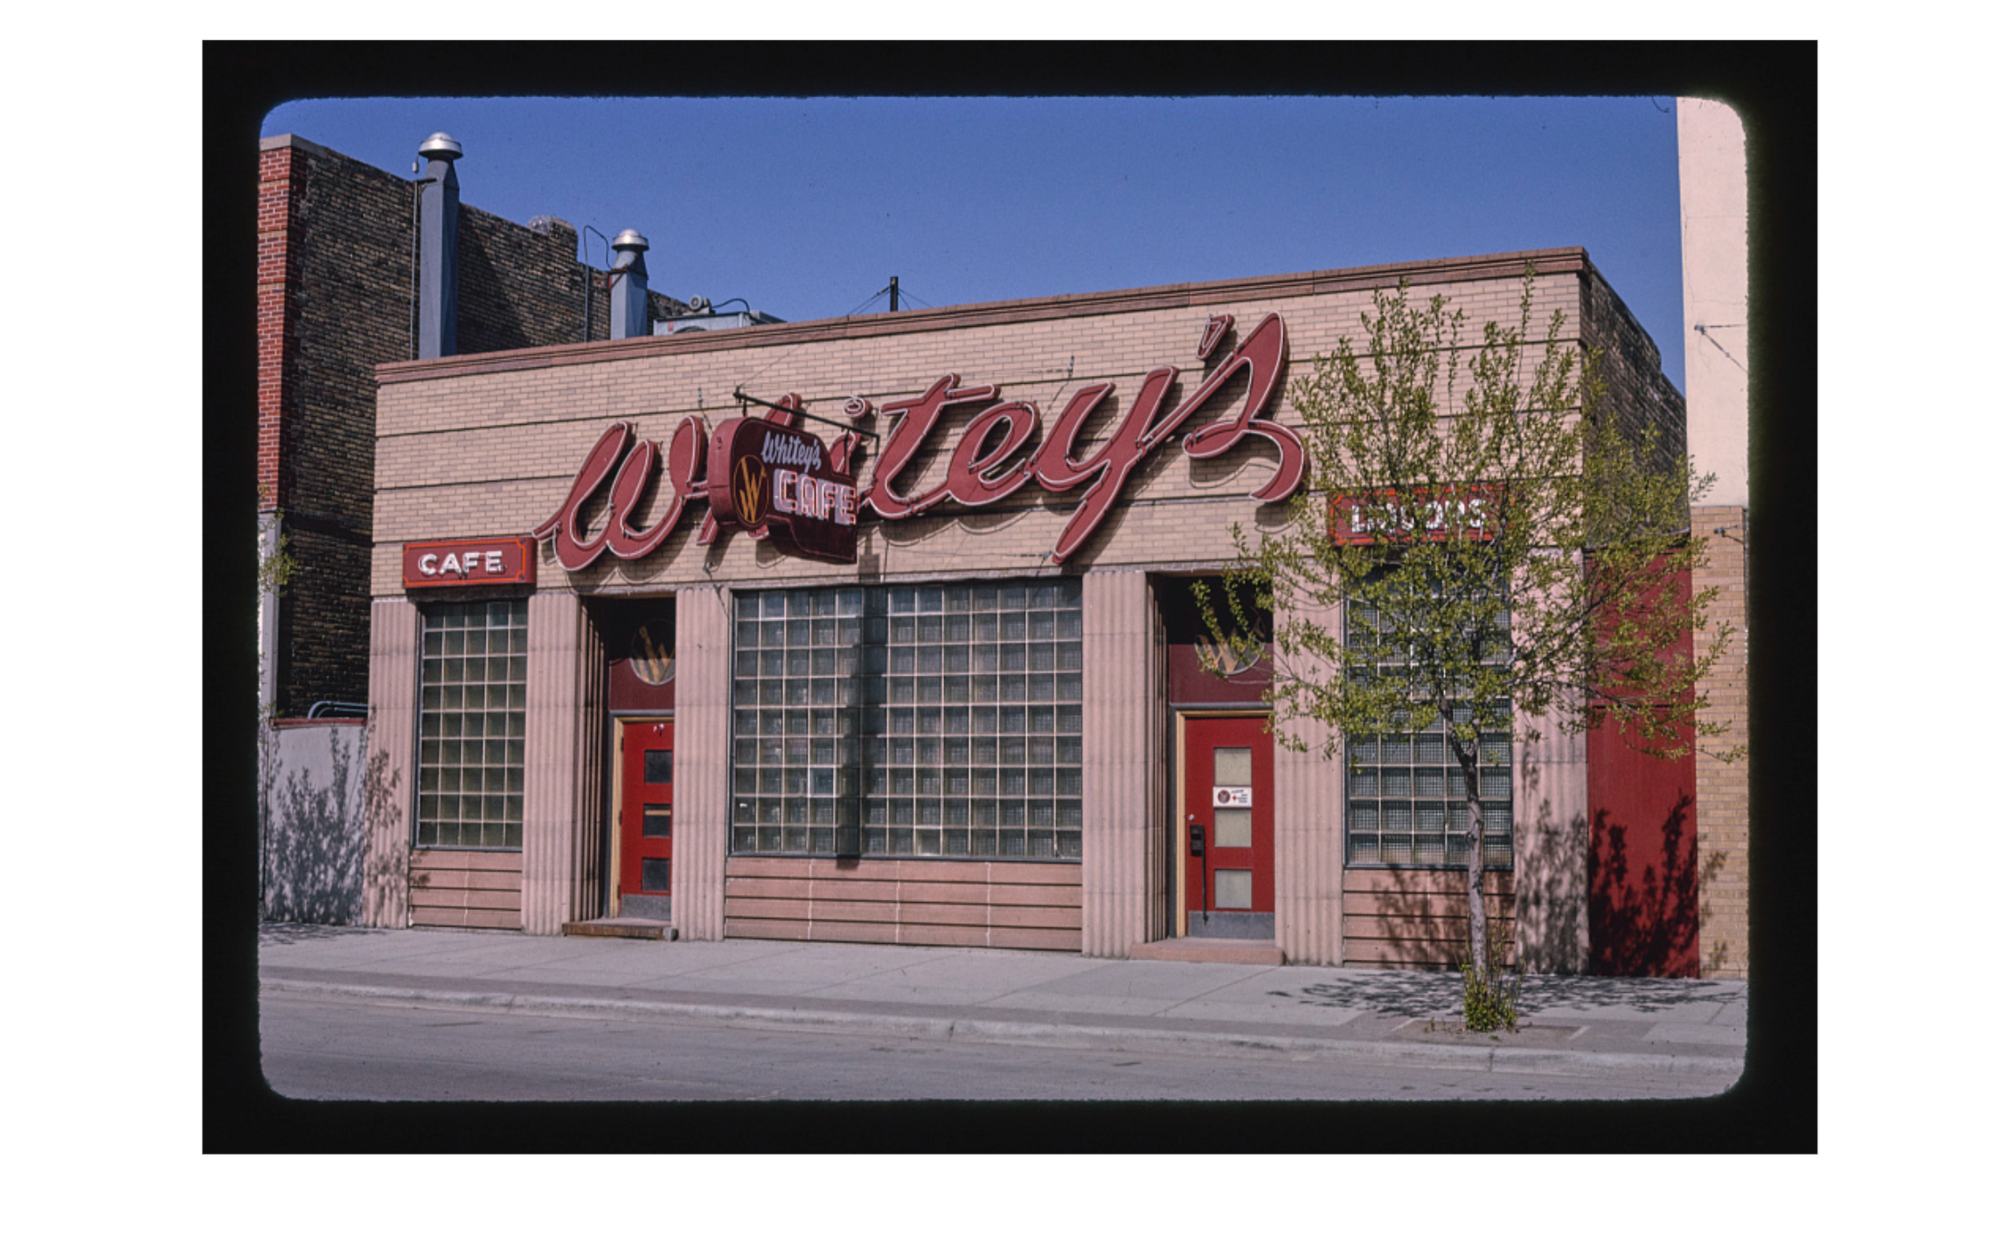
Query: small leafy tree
1502	549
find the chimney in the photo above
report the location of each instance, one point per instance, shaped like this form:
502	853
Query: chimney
628	286
437	247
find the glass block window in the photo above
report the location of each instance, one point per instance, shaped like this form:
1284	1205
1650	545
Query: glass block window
938	720
1406	793
473	725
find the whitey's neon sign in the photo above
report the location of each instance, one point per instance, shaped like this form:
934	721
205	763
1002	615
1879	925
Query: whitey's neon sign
779	480
996	455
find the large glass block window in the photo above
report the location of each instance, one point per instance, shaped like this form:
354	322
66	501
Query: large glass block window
473	725
1406	792
941	720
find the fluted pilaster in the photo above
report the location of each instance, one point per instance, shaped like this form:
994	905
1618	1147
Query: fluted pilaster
562	834
1124	762
389	775
1309	814
702	622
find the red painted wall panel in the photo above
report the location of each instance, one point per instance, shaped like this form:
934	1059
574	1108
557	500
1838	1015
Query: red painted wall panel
1645	897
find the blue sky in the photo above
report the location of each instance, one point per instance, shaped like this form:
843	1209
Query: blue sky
805	207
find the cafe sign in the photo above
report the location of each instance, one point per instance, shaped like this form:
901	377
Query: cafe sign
445	564
781	482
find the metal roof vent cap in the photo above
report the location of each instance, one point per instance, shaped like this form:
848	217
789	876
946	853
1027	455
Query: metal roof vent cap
630	303
441	146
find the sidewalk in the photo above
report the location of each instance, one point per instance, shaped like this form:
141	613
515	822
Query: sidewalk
1574	1026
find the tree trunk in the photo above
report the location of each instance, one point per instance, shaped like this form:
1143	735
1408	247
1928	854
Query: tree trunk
1475	861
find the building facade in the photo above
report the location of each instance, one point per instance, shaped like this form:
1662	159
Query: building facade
647	642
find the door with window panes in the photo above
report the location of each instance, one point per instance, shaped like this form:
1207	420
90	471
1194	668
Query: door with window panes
646	818
1226	837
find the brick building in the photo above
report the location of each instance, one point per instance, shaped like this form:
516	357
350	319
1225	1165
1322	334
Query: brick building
989	726
337	295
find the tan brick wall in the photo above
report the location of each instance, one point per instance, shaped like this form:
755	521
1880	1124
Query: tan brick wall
1722	791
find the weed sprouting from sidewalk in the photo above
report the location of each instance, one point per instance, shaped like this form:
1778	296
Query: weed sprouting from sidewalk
1492	996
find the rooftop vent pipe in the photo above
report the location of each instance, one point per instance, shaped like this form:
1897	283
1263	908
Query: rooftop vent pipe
628	286
437	248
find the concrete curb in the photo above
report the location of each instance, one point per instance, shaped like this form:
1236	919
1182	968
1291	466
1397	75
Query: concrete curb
1498	1059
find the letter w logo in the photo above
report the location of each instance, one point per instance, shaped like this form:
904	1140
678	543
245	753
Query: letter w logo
749	493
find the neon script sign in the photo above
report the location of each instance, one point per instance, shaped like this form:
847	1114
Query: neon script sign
999	452
780	481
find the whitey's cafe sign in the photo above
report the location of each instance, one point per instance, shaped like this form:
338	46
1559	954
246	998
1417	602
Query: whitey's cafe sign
770	478
777	481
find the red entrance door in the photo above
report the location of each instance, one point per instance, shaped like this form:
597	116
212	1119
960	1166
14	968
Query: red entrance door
1226	837
646	818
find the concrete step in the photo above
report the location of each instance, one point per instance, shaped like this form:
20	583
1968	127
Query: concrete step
1239	952
624	929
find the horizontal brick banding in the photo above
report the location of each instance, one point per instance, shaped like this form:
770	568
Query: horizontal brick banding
465	888
953	904
1406	918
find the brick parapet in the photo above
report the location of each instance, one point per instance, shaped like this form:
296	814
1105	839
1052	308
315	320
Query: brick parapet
1498	270
1640	395
278	178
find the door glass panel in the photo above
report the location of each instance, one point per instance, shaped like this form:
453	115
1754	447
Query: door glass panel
1232	766
653	875
1232	826
659	820
1232	890
659	768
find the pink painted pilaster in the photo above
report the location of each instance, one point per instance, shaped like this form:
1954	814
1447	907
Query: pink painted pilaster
562	815
703	629
390	773
1124	757
1309	793
1552	848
